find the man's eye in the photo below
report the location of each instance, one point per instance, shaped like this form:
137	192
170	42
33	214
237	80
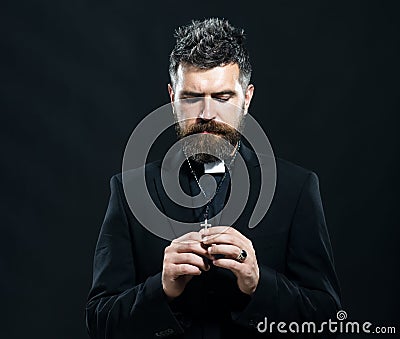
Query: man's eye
191	100
222	99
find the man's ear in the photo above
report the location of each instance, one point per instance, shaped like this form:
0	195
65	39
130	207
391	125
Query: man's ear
171	93
247	97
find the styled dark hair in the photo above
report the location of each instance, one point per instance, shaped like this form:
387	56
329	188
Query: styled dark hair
210	43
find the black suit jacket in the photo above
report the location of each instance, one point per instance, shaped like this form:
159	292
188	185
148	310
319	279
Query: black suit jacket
297	277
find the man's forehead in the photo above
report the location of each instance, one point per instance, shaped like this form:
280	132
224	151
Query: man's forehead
191	78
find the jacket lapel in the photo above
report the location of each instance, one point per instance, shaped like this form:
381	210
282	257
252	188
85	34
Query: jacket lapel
179	218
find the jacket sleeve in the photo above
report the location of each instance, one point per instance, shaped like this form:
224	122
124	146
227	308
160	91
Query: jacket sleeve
308	290
118	307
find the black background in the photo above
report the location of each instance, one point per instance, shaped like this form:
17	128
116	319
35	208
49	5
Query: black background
77	76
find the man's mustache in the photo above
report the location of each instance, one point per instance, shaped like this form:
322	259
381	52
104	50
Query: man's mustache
209	127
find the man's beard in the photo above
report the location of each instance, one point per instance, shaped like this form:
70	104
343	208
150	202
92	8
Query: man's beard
212	149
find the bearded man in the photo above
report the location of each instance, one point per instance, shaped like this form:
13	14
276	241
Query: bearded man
221	281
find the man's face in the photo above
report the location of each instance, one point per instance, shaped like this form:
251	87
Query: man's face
210	101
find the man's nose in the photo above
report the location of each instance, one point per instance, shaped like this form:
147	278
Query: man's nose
208	112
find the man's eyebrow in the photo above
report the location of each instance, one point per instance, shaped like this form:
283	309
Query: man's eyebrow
198	94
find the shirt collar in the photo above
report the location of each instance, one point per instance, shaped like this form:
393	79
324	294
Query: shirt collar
214	167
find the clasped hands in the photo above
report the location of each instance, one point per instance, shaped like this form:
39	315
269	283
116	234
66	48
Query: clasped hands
185	258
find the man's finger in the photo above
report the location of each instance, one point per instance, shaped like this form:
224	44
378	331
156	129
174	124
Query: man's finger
188	238
186	269
230	239
192	259
196	248
230	251
229	264
216	230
